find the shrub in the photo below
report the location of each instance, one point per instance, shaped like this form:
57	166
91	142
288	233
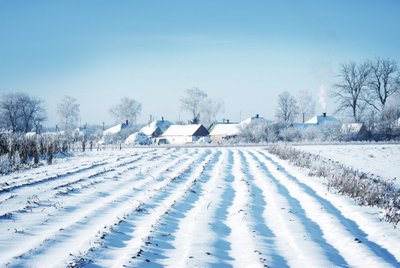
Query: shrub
366	189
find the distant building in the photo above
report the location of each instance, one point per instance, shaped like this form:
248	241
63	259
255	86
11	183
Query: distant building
254	119
116	129
353	130
320	120
316	121
156	129
224	131
181	134
117	133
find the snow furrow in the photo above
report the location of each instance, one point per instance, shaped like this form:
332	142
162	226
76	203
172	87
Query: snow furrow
267	247
246	247
143	224
21	180
194	239
185	207
44	192
159	244
364	252
294	242
68	220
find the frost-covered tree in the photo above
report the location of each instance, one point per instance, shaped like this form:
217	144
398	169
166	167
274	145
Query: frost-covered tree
21	112
210	109
287	108
68	111
202	108
193	102
126	109
306	105
349	92
389	124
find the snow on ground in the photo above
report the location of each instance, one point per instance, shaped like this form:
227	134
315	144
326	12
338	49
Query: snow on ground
185	207
380	159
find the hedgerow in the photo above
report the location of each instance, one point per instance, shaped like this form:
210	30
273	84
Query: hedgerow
367	189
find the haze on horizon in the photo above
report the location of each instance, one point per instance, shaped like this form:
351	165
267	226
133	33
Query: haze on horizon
243	53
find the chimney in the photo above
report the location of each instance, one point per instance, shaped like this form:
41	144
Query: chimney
257	115
324	114
162	118
227	120
126	122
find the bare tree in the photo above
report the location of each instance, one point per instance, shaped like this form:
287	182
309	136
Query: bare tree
287	108
193	102
21	112
68	110
127	109
353	84
306	104
32	113
210	109
383	82
9	111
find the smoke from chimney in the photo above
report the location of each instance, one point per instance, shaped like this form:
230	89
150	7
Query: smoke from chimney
322	96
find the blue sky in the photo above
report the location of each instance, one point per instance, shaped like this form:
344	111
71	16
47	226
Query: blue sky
242	52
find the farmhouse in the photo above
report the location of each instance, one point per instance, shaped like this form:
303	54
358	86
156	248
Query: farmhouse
353	131
251	120
181	134
319	120
116	133
156	128
224	131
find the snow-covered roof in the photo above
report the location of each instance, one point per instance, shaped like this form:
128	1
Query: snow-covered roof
253	119
115	129
225	130
182	130
320	119
351	128
149	129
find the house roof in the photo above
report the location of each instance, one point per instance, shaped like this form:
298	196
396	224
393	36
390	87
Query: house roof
253	119
149	129
351	128
184	130
115	129
225	129
320	119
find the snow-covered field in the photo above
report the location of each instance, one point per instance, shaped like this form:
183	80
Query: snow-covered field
379	159
185	207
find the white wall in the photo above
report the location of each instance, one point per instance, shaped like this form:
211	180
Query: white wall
178	139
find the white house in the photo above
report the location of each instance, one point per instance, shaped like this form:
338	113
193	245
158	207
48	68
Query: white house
224	131
117	133
156	128
320	120
181	134
251	120
353	129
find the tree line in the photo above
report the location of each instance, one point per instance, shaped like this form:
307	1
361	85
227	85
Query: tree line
22	113
368	92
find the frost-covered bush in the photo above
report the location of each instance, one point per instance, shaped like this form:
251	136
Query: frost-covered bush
138	138
366	189
254	132
290	134
18	150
